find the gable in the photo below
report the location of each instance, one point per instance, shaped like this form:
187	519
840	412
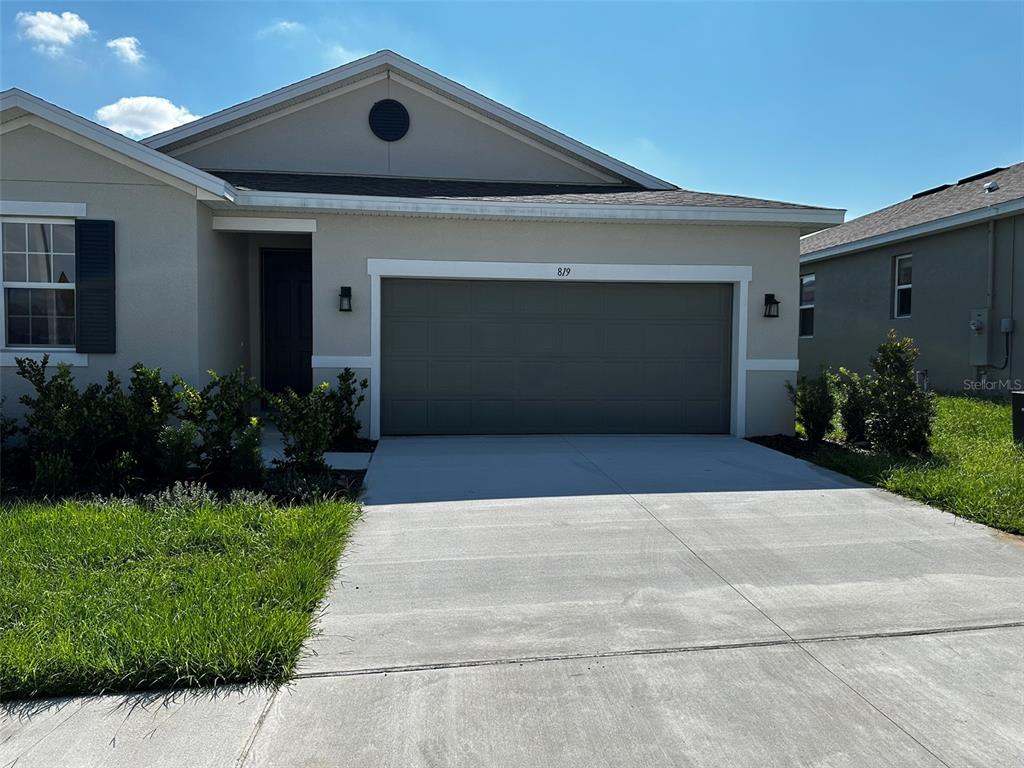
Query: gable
32	154
332	135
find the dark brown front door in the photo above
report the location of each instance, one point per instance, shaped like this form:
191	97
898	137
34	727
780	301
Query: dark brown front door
287	320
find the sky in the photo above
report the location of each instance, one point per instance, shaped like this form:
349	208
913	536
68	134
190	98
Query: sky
846	105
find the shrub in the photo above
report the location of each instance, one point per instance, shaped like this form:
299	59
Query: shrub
102	437
344	401
178	450
854	404
815	402
308	424
220	413
901	410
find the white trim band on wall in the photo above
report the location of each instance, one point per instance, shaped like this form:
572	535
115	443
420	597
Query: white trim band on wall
33	208
342	361
763	364
74	359
262	224
739	276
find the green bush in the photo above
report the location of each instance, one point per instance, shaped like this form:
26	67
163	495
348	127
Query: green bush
815	402
220	412
854	404
901	410
103	437
344	401
178	450
307	424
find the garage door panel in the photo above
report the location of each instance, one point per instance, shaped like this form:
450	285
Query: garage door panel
407	336
466	356
539	338
409	377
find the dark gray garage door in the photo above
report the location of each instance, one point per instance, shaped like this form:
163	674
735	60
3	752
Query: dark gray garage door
500	357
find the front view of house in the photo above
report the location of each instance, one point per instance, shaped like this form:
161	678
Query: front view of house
485	273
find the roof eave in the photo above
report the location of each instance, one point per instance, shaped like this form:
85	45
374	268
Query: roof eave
817	218
207	185
967	218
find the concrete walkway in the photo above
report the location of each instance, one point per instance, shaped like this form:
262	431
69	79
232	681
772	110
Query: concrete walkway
610	601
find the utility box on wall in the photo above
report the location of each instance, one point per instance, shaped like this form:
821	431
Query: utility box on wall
978	345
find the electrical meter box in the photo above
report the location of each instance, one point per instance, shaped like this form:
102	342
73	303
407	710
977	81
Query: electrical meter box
979	340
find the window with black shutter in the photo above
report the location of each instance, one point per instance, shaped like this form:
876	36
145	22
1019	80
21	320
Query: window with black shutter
95	328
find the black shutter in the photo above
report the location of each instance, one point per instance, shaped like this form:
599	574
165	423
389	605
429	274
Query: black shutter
94	286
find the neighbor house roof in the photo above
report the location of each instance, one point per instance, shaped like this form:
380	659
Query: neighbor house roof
507	192
416	76
944	207
18	107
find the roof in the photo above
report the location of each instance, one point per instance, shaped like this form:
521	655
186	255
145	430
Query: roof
16	104
940	208
505	192
418	76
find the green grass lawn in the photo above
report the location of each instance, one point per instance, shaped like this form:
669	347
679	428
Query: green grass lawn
976	472
104	596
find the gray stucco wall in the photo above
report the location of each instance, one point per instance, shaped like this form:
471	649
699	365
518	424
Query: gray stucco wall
155	240
333	136
854	303
224	300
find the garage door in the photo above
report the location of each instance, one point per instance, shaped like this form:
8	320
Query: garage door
514	357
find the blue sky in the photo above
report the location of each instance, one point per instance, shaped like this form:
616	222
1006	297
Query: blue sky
852	105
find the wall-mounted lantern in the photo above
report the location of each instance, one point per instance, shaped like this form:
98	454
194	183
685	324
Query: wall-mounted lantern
345	299
771	305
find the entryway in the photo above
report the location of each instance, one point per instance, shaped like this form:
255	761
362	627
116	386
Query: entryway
287	299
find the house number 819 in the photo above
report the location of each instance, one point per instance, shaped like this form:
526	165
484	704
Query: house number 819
564	271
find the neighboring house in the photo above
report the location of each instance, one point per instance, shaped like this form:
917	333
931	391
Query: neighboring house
945	267
486	273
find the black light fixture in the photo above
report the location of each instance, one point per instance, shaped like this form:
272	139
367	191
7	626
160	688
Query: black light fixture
771	305
345	299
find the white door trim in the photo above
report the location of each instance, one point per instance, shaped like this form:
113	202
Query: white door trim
739	276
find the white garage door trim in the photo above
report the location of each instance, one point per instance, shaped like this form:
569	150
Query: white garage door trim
739	276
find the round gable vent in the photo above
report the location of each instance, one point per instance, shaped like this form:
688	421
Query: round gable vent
389	120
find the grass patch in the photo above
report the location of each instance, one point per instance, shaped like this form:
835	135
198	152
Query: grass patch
182	590
976	471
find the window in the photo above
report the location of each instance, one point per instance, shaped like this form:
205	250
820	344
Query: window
904	281
39	283
807	305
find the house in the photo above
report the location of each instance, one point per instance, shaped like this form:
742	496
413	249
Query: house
486	273
945	267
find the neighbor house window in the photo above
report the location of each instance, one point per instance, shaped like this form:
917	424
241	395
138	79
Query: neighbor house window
807	305
904	283
39	283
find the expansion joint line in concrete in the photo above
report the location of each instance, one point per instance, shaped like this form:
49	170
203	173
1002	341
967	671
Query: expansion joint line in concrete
678	649
751	603
243	756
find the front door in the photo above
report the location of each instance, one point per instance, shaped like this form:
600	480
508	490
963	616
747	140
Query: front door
287	320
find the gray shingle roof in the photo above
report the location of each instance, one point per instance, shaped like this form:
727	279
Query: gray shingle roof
948	201
503	192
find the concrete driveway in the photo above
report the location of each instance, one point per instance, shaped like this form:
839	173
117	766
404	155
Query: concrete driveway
611	601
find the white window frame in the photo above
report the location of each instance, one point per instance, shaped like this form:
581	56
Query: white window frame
809	306
31	350
902	286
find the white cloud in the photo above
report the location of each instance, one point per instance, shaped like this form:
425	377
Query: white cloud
52	34
336	55
127	49
139	116
282	28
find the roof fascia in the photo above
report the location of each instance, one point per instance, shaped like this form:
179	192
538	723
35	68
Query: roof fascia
998	210
121	146
401	206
